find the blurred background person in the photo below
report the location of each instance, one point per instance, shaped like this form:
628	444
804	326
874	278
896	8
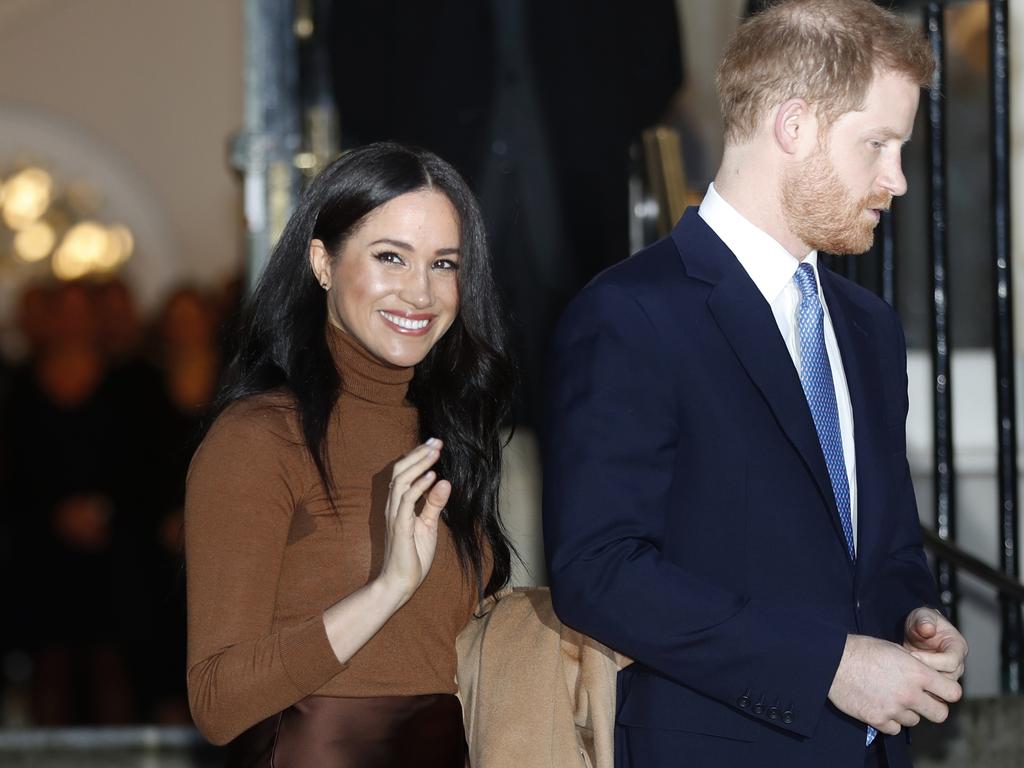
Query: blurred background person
62	488
189	358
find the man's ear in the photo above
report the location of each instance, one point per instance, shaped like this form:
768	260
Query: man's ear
320	263
794	125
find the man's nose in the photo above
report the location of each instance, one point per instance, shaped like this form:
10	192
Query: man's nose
892	178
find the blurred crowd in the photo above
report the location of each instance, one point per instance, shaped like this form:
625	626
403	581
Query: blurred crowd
99	421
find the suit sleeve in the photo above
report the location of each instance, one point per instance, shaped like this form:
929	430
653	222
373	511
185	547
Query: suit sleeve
613	424
243	665
905	581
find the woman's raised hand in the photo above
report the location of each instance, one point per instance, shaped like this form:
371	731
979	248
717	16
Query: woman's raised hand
411	539
409	546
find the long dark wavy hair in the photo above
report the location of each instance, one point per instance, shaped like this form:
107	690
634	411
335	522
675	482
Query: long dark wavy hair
464	387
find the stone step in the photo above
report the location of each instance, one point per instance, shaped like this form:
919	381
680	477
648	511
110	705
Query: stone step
124	747
980	733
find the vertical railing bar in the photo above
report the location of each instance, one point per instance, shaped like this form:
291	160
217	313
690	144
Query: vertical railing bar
1009	559
264	150
942	426
888	258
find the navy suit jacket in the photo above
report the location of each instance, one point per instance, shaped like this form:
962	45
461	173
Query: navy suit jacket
689	520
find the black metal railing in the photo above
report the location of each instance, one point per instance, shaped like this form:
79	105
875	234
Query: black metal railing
887	258
1009	558
1007	586
944	479
941	541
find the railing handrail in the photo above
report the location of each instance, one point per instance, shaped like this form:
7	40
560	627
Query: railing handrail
949	552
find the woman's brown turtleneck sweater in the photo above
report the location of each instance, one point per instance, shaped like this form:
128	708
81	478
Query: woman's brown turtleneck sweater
266	554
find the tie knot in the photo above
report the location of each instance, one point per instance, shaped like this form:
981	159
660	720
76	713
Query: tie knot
805	281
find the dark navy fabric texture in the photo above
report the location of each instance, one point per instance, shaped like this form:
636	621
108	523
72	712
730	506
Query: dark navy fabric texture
690	520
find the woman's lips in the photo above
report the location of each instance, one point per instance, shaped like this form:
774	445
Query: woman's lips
407	324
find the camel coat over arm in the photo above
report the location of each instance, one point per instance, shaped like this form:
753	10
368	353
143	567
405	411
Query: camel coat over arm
534	691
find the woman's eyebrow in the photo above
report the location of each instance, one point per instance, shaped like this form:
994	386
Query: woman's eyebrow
396	243
449	251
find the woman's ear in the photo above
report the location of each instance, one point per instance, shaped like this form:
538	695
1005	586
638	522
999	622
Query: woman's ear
320	263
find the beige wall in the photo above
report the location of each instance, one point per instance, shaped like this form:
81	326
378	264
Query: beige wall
706	25
151	90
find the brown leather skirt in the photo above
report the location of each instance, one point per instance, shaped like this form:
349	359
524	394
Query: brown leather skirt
423	731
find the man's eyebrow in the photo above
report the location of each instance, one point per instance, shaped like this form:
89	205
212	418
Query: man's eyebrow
886	132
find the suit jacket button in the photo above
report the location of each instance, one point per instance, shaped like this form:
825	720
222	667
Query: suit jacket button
743	702
787	717
758	708
773	713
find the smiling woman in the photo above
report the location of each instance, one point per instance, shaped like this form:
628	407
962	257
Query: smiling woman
394	286
341	515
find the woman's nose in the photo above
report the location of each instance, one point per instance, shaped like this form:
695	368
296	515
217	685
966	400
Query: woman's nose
416	289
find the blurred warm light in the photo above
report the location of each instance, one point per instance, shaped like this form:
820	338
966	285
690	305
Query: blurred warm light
27	195
304	161
91	247
82	250
303	27
35	242
114	252
125	240
40	224
66	266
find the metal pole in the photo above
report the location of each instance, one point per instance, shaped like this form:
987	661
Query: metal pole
888	258
264	151
942	427
1009	558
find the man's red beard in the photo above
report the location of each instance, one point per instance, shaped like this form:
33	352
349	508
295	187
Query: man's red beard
819	209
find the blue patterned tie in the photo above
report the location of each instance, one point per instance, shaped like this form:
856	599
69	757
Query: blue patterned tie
816	378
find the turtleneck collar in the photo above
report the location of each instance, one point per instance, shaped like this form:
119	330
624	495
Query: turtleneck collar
363	375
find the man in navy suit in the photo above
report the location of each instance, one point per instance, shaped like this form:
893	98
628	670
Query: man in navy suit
726	492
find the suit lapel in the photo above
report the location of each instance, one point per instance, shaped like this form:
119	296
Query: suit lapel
860	364
747	323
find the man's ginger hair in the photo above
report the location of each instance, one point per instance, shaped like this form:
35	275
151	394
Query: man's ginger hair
826	52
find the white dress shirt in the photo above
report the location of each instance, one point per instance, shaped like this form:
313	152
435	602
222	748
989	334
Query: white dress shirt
772	268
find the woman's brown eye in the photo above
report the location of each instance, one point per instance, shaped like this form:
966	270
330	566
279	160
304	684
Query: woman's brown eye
388	257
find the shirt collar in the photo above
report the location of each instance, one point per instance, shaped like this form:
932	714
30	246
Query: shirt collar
769	265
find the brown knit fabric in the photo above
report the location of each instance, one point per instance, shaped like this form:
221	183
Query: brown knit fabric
266	555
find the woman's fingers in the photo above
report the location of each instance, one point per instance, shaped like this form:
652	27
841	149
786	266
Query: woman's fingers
408	469
415	456
406	504
435	501
412	494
